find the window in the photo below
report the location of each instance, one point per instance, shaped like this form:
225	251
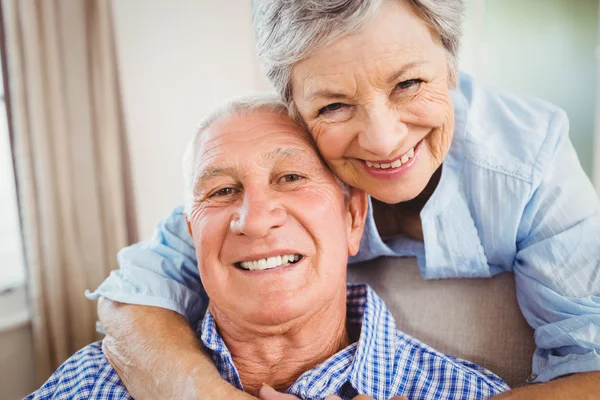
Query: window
12	266
550	52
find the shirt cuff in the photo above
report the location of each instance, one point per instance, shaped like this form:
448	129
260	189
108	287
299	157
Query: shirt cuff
572	364
169	295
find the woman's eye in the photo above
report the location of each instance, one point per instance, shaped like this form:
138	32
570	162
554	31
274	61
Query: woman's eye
408	84
336	112
223	192
331	108
291	178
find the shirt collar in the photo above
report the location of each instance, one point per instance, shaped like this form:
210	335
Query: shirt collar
374	351
452	244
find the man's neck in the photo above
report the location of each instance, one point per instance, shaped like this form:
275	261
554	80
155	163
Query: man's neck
278	355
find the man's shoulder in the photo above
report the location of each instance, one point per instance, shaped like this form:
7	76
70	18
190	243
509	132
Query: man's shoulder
425	372
85	375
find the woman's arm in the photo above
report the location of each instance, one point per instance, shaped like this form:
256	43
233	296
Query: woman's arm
557	266
158	356
584	386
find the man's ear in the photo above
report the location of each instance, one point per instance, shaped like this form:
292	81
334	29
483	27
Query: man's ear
357	213
189	226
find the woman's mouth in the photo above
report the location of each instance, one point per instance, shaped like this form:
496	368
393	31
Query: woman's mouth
391	168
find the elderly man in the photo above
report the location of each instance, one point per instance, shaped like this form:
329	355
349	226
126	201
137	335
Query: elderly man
273	229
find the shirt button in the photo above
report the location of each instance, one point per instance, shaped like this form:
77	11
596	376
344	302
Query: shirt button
532	378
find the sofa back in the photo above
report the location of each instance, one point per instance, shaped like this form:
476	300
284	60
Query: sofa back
475	319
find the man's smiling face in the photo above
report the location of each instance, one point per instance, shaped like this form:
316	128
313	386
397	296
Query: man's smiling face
272	225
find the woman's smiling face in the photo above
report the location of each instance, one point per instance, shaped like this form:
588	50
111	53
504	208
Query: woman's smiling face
377	103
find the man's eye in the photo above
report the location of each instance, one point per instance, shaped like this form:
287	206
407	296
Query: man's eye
408	84
224	192
291	178
332	108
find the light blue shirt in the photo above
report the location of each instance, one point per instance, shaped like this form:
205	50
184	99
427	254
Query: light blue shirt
512	197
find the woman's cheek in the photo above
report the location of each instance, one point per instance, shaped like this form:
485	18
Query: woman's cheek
441	138
432	107
330	141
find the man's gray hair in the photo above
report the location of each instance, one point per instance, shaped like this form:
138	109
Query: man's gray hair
237	106
288	31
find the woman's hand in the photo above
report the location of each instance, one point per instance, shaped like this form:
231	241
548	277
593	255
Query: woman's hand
158	356
268	393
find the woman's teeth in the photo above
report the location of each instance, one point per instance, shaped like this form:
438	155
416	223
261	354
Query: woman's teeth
271	262
402	160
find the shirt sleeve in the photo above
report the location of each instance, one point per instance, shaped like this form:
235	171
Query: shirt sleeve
86	375
160	272
557	266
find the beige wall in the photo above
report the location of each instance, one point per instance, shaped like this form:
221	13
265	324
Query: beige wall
177	59
16	351
16	363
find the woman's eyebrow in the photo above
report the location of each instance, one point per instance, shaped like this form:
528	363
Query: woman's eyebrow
326	94
335	95
394	76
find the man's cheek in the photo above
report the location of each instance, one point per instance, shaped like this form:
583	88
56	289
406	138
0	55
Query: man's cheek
324	214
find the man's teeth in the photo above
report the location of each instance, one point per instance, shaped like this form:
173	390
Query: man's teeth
402	160
271	262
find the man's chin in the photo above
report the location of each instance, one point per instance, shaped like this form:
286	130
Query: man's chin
278	313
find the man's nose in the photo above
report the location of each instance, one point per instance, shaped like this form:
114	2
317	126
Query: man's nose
258	214
383	133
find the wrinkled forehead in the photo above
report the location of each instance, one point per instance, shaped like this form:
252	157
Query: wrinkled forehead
255	135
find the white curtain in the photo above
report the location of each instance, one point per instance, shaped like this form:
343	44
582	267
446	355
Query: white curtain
68	139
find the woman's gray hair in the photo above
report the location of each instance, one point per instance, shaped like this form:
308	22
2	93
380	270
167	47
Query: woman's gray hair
237	106
288	31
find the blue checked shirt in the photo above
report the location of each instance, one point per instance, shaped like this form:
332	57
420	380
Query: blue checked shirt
383	363
512	197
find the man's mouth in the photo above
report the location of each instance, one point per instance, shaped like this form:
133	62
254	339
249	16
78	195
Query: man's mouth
269	263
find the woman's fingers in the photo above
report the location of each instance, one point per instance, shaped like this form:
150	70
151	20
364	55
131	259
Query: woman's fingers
268	393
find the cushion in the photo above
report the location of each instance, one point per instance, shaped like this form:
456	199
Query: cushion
475	319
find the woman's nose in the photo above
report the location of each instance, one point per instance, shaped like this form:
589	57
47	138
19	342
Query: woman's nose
258	214
384	132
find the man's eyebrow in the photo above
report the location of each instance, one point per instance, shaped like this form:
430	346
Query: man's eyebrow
334	95
213	171
287	152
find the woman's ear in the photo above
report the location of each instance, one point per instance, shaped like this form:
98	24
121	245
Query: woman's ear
357	205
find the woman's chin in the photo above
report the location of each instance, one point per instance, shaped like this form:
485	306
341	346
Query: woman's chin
394	193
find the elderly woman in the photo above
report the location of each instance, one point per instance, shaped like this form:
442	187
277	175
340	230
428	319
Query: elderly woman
470	181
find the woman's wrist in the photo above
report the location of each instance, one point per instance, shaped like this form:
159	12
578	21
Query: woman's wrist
208	385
